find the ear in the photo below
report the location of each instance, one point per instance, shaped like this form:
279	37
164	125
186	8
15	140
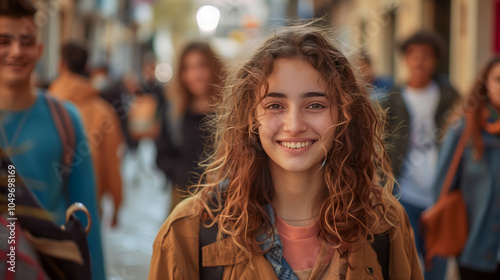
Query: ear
61	67
40	50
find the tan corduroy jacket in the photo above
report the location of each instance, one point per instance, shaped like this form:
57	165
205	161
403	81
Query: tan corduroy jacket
175	252
103	130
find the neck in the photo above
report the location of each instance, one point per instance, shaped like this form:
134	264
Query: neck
418	84
296	195
200	104
16	98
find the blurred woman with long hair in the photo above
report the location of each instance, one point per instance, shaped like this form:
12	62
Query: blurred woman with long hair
196	89
478	175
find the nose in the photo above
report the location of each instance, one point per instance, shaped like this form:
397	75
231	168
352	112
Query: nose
294	122
15	48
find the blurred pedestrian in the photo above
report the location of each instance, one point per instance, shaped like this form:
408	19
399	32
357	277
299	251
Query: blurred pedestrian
29	129
99	119
198	85
149	89
100	80
120	95
478	175
290	188
416	114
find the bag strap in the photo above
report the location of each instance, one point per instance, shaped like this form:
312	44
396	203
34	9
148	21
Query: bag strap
64	127
382	246
207	237
457	156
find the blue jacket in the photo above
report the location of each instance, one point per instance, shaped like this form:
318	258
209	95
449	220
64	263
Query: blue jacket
479	182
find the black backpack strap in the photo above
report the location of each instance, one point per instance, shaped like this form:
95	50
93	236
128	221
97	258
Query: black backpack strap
207	237
382	246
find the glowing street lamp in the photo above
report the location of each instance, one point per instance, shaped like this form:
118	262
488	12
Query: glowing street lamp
208	18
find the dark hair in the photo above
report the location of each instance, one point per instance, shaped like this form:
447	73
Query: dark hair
425	37
75	57
17	8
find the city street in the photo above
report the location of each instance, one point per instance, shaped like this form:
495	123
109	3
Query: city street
128	247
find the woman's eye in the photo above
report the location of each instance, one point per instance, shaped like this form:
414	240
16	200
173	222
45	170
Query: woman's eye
274	106
316	106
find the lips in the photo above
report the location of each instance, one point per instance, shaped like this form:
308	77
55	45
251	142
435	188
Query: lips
296	145
16	66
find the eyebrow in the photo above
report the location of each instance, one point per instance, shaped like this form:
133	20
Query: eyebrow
8	35
303	95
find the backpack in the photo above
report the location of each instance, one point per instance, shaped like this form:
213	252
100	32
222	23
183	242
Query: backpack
63	251
381	245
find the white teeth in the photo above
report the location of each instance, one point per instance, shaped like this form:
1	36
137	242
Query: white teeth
296	145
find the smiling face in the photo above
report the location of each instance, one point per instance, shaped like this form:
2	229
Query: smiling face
421	62
297	119
19	50
493	85
196	74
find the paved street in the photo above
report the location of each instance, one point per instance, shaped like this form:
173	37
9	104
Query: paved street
128	247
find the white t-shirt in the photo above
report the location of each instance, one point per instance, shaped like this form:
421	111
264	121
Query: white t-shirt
419	166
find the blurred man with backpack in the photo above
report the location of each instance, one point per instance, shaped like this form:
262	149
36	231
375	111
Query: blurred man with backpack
100	121
30	128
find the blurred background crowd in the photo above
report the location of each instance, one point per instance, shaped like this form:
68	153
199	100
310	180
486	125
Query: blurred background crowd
157	63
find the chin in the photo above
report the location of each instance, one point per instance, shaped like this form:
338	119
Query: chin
299	166
18	81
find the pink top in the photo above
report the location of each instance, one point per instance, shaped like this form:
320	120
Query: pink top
301	245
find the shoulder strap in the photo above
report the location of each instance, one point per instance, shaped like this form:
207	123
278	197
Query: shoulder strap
382	246
457	156
65	129
208	236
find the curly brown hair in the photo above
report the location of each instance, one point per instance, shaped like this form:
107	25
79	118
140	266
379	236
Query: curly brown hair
357	173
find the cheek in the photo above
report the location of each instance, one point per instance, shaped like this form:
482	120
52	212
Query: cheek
328	135
494	95
493	88
269	126
266	128
206	74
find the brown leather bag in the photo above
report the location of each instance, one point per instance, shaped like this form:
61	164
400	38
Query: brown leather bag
445	225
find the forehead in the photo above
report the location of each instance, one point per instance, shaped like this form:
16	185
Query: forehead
495	70
194	56
294	74
420	48
17	26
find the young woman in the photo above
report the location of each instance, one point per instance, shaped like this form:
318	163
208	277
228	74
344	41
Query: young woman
197	85
478	175
292	185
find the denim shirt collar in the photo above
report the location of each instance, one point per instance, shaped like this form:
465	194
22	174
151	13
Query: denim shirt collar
275	254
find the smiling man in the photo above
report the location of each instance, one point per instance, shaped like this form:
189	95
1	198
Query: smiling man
28	131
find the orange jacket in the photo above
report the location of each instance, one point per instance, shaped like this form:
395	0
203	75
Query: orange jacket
103	130
175	252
